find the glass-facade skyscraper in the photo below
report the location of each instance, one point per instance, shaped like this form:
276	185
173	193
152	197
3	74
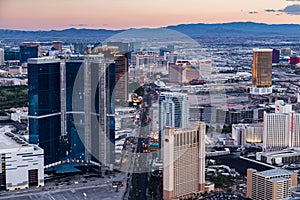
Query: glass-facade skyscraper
75	129
71	108
45	106
275	56
11	53
121	77
173	111
261	71
28	51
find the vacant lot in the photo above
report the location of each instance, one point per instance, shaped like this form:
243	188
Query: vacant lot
13	96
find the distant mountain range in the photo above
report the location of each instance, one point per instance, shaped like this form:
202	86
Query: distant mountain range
238	29
234	29
66	35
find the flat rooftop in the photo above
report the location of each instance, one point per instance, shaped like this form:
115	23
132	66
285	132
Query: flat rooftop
47	59
274	172
285	153
279	179
9	142
262	50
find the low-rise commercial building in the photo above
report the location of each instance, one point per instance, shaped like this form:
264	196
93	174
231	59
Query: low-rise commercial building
21	164
247	133
279	157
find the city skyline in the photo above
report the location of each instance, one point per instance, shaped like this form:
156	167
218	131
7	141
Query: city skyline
46	15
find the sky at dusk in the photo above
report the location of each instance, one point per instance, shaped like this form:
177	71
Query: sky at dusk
123	14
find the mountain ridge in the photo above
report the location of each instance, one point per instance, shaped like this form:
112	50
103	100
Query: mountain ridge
229	29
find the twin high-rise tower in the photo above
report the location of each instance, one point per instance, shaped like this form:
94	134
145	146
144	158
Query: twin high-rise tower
71	108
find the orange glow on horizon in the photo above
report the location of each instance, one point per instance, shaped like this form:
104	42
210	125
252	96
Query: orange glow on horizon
119	14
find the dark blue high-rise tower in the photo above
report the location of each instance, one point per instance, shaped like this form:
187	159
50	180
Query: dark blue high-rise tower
76	100
28	51
44	106
75	129
275	56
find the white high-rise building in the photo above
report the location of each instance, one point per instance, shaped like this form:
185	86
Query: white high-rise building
298	97
1	56
281	107
295	130
205	67
276	134
282	128
247	133
239	134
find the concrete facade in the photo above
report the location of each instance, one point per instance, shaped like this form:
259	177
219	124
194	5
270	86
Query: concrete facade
21	164
272	184
183	161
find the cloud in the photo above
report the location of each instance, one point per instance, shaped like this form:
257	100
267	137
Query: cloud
79	25
291	9
270	10
252	12
292	0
